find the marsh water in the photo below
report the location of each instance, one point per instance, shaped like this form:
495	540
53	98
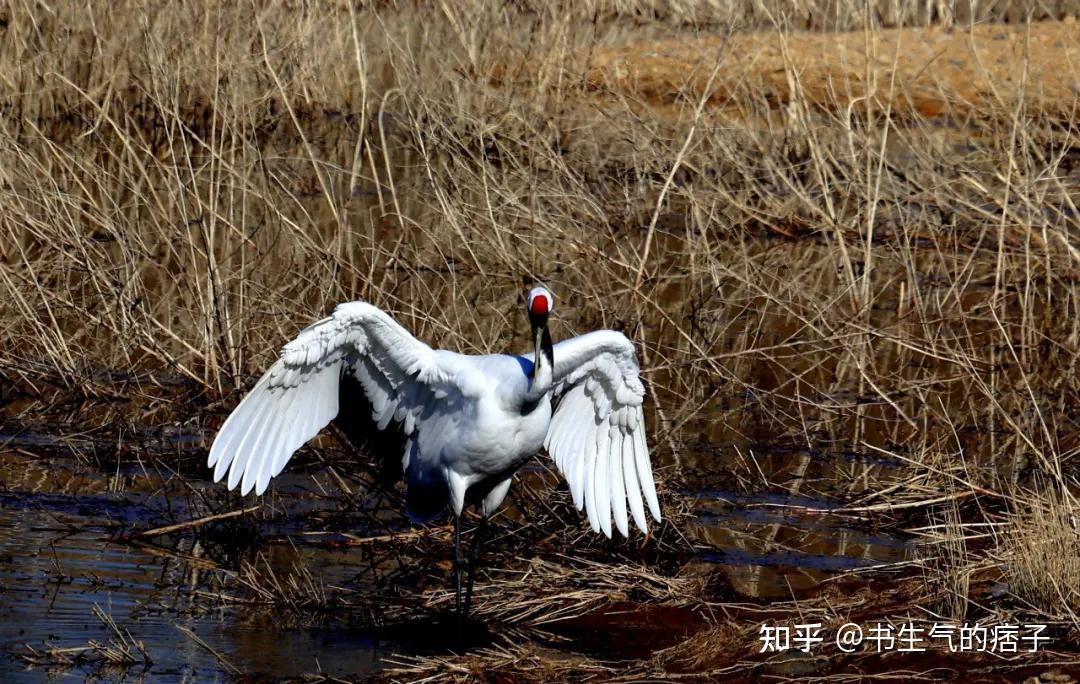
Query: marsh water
61	554
69	542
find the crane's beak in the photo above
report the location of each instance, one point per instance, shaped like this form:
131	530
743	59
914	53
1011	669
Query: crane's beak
539	324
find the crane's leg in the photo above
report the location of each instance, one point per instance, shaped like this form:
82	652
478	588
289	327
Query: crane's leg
474	554
488	507
457	563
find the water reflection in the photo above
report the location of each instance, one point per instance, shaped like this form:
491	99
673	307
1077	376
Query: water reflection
773	552
776	543
57	562
61	554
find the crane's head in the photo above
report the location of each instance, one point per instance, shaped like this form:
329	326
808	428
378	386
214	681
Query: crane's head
539	304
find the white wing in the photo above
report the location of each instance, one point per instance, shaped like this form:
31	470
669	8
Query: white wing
298	396
597	434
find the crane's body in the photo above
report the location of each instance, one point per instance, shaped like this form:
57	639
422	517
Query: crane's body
469	422
477	450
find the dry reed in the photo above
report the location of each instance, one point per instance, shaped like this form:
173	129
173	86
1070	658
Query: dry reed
182	188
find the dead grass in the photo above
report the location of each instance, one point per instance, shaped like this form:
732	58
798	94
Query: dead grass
121	652
182	188
1042	554
299	590
978	72
519	662
540	591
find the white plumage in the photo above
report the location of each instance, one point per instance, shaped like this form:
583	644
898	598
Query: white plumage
470	421
597	435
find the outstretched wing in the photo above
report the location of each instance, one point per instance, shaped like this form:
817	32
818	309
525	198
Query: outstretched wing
597	434
298	396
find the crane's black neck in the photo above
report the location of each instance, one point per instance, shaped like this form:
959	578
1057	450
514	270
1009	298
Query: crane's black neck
547	351
542	373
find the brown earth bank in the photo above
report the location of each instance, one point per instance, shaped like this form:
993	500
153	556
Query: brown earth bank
959	72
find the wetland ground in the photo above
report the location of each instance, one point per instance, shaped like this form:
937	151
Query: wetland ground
844	237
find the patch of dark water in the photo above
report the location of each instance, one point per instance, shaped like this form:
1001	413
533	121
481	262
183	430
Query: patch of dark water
164	439
60	556
627	631
774	543
63	550
51	583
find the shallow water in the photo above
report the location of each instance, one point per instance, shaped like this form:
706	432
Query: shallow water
62	553
65	546
766	550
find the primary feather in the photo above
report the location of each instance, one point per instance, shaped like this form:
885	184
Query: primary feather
599	444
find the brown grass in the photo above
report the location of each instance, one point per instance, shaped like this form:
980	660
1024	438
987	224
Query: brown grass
182	188
116	656
1042	553
962	73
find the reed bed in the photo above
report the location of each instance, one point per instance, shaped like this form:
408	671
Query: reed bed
184	187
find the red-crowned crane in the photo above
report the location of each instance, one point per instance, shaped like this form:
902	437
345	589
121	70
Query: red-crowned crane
469	422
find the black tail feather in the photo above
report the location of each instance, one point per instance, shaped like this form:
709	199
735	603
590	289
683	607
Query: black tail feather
426	501
385	447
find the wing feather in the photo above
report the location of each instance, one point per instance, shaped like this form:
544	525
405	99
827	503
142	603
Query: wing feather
554	433
298	396
644	473
597	433
590	478
579	466
618	486
249	442
222	453
269	444
633	489
584	429
569	421
601	487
